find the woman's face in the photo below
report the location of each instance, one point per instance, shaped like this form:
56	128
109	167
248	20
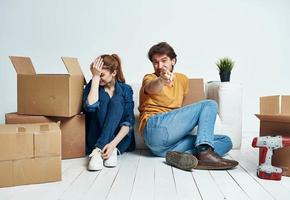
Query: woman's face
107	77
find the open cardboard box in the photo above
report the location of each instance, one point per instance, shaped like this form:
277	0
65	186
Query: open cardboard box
275	120
48	94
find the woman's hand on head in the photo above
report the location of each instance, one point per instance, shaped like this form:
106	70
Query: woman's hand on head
96	67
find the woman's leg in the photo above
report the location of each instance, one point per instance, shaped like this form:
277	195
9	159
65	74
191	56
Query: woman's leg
93	131
127	142
111	121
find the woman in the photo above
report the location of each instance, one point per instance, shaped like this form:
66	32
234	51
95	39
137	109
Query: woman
108	105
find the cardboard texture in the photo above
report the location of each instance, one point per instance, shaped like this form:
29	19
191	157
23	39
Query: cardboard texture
15	143
29	153
6	173
47	141
37	170
73	136
48	94
196	92
275	120
72	131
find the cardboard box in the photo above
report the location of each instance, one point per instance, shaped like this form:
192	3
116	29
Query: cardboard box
275	120
48	94
19	141
30	171
196	92
72	131
31	153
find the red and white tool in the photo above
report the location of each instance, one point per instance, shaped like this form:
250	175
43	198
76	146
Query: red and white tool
267	144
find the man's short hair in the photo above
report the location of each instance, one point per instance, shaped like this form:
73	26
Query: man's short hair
162	48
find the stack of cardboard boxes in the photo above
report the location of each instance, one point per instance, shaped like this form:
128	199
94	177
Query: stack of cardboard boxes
46	99
29	154
275	120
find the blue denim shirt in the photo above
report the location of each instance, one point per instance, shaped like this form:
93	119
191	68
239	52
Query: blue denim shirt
122	90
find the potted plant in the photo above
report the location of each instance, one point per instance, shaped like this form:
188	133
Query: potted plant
225	66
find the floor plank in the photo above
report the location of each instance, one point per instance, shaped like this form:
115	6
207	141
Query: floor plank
102	184
80	186
123	184
185	185
143	188
253	189
274	188
207	186
228	186
165	185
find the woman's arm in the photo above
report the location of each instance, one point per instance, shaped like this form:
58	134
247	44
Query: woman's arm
108	148
96	69
93	96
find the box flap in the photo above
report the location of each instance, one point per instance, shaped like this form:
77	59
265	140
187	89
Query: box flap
274	118
72	65
22	65
269	105
285	104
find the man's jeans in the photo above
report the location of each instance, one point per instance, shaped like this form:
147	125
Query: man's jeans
171	131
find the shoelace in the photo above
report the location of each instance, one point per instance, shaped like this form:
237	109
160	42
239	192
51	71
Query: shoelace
94	152
118	151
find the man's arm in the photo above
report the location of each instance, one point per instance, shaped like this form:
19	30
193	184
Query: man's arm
155	86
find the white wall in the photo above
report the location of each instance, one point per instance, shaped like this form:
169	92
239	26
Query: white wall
255	33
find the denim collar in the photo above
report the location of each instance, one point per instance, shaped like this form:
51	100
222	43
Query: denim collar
118	88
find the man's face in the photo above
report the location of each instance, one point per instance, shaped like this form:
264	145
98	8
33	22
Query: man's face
160	61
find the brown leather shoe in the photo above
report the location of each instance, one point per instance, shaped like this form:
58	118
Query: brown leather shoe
184	161
210	160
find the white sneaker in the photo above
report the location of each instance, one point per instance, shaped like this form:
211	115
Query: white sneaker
112	160
96	161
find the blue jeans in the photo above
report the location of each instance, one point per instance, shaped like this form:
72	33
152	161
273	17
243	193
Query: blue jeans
171	131
104	124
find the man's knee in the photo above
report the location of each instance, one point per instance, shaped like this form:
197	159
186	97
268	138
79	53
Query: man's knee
211	104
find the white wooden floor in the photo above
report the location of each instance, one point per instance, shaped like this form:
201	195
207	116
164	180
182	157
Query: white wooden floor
141	176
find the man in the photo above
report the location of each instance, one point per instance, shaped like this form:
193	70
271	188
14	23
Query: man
167	126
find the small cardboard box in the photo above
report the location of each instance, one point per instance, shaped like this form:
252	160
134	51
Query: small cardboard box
19	141
275	120
30	171
195	92
31	153
72	131
48	94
